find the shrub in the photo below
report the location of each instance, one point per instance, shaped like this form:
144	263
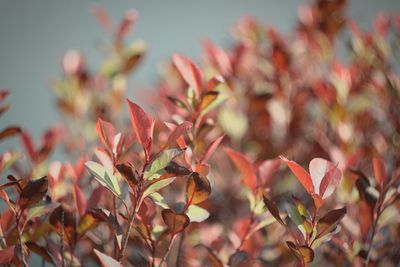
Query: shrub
208	179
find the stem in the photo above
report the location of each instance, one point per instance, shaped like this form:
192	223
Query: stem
378	211
128	231
20	231
179	254
168	250
136	207
115	215
246	235
62	239
371	242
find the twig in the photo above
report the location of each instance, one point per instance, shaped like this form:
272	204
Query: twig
130	224
246	234
164	258
62	239
179	254
115	215
19	230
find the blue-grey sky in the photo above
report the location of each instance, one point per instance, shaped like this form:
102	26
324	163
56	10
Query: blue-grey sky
34	35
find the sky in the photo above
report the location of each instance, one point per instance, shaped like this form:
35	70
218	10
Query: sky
35	34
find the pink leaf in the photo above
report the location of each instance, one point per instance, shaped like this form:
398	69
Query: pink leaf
4	196
6	255
126	24
107	261
325	176
80	200
190	72
245	167
27	142
106	132
179	130
142	125
330	181
96	196
218	56
102	17
267	168
302	175
105	159
211	149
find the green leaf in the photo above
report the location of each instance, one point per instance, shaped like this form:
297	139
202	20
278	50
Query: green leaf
157	185
159	200
197	214
40	208
301	208
264	222
298	219
162	161
103	177
233	122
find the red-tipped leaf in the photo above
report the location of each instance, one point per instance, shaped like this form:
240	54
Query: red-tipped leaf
190	72
245	167
142	126
301	174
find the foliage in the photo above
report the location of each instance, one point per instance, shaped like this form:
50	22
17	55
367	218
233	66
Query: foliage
207	179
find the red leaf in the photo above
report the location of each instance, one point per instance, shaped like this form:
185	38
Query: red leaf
127	170
329	221
267	169
9	131
273	209
106	132
179	130
379	171
80	200
214	82
190	72
102	17
126	24
218	56
33	192
302	175
4	196
245	167
176	222
210	149
142	125
7	254
198	189
303	253
4	94
177	169
27	142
